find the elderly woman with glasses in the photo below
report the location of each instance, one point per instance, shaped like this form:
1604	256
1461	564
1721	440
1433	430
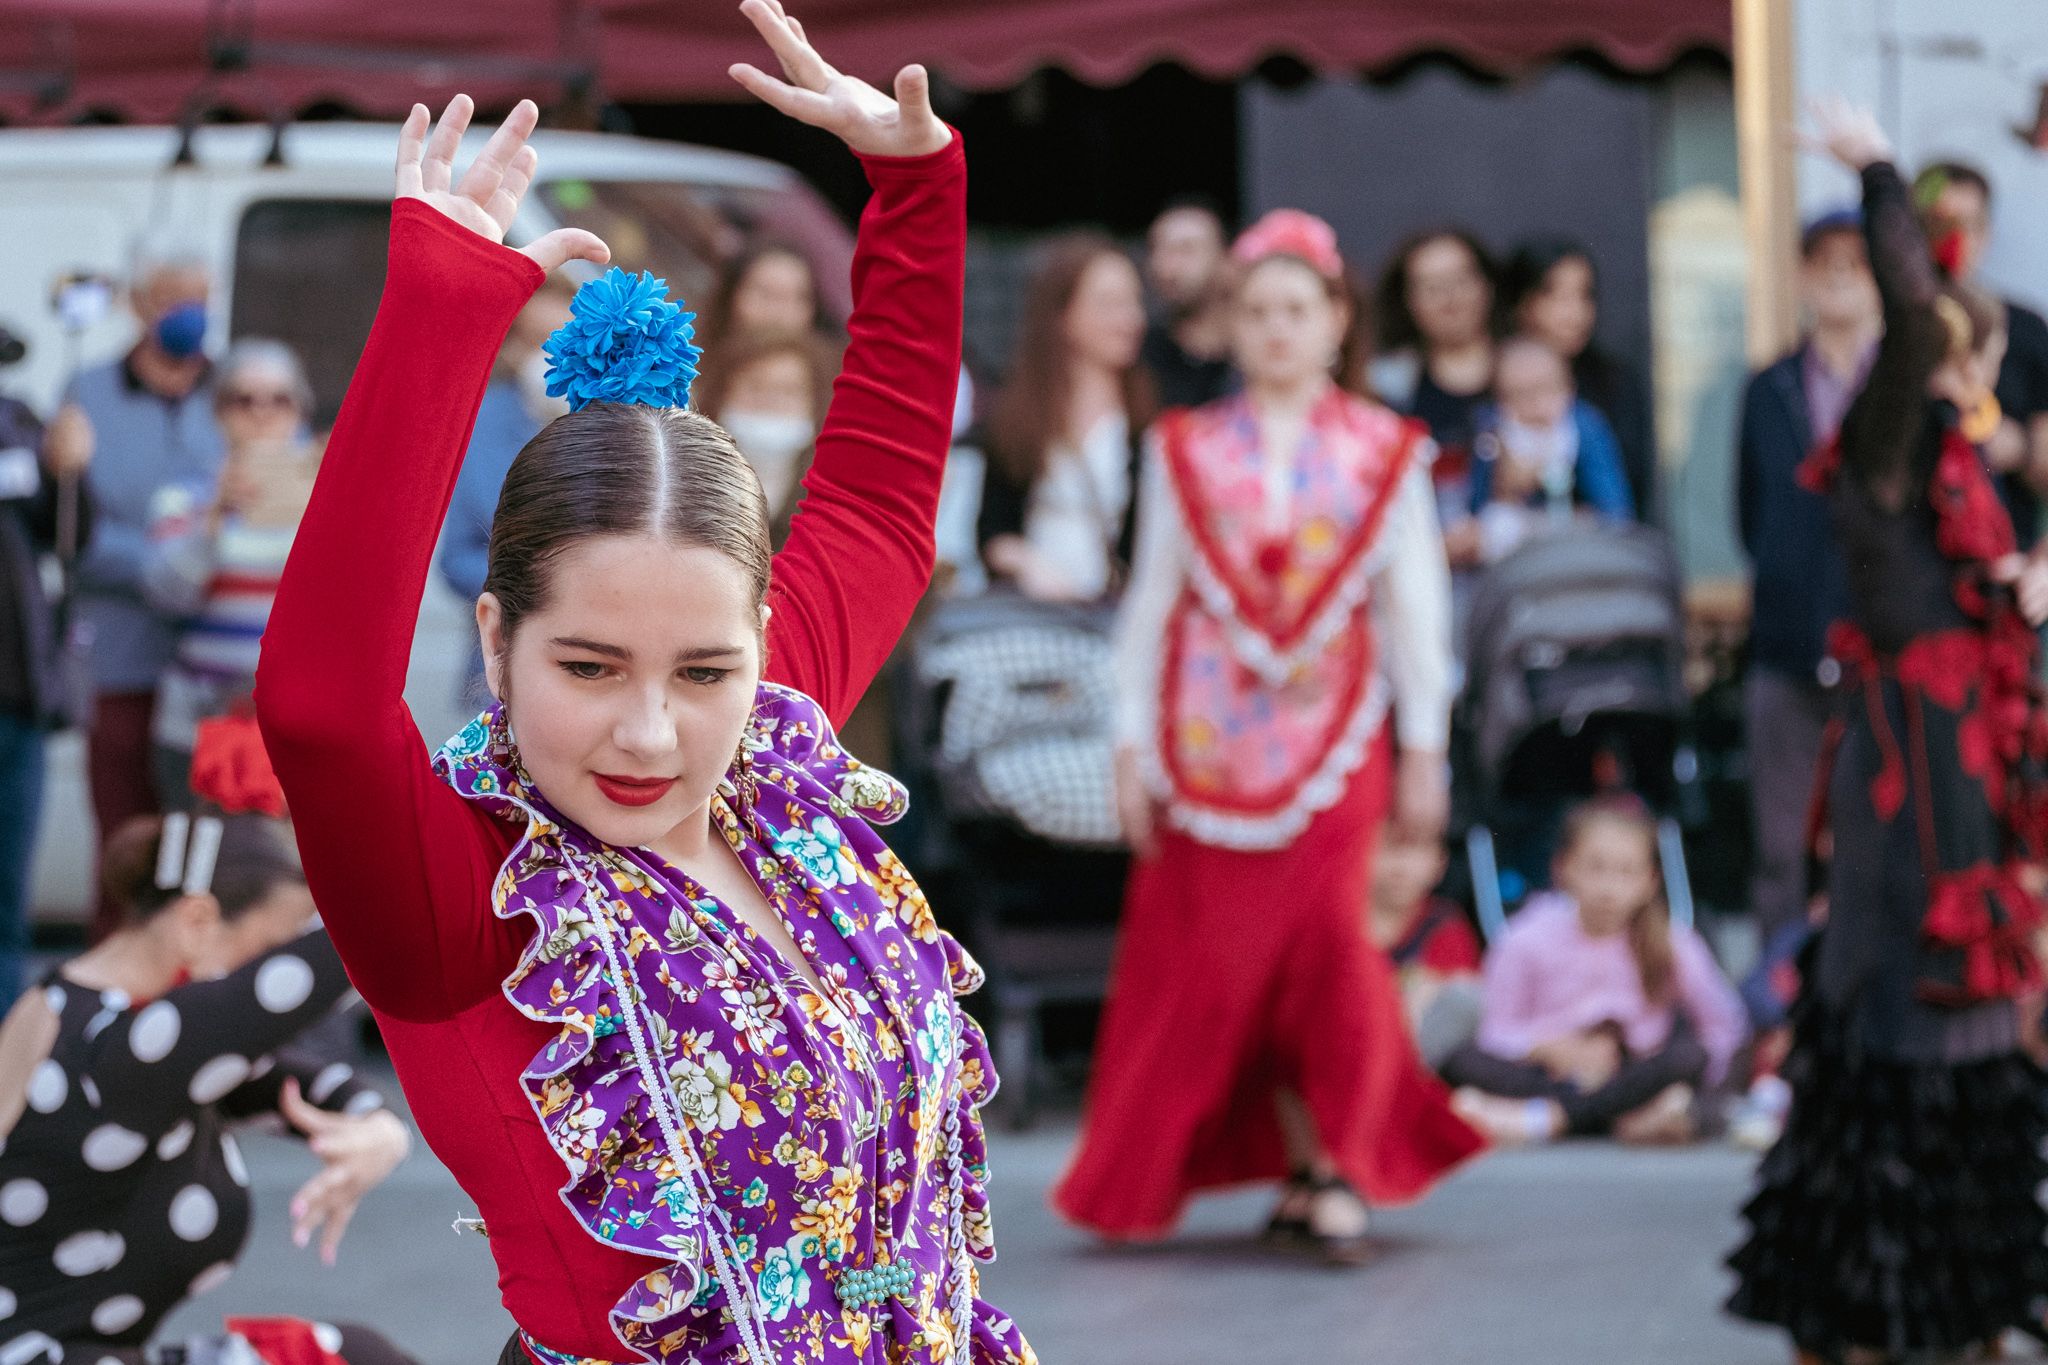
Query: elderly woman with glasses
216	552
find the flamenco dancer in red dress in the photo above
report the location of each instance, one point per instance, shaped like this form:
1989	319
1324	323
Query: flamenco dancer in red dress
1898	1218
1286	630
663	1002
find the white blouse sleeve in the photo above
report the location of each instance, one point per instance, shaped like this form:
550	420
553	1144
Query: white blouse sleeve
1159	560
1414	618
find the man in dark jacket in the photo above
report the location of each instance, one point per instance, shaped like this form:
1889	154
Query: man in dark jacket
1801	582
28	652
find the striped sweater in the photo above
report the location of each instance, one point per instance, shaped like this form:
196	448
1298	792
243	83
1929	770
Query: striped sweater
218	587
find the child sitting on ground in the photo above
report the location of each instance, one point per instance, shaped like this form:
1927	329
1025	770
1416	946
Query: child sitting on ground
1433	949
1541	454
1598	1015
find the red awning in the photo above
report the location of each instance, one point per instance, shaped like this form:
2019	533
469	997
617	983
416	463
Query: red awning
144	59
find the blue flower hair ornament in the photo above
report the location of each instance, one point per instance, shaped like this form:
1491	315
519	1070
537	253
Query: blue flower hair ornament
624	342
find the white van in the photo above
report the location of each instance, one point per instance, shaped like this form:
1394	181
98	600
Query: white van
294	230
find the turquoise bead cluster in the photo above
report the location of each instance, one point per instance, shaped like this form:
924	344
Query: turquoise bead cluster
863	1286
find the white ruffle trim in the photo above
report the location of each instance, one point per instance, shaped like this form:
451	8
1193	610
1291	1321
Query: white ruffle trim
1256	650
1321	790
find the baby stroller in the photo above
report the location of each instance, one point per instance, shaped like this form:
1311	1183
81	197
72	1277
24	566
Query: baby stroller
1574	686
1006	714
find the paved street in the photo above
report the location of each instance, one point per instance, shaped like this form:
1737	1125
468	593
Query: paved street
1578	1255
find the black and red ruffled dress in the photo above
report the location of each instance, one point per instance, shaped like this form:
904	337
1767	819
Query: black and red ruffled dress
1899	1211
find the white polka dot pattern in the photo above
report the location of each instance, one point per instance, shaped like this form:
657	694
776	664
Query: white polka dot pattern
89	1253
172	1145
328	1336
194	1213
89	1090
363	1102
217	1078
7	1304
155	1031
22	1202
231	1156
330	1079
283	983
213	1277
56	999
47	1088
110	1147
117	1315
32	1346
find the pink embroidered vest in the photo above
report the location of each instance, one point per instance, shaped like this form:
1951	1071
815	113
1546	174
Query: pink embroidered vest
1271	696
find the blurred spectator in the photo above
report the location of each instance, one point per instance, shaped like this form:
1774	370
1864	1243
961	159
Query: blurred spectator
1551	291
1056	505
766	287
143	421
1955	202
1801	583
515	407
1429	941
217	550
120	1078
1188	349
28	655
1541	453
1599	1015
1435	320
769	391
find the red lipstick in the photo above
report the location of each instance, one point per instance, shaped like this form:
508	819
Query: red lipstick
633	791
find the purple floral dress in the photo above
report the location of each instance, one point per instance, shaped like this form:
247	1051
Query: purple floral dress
804	1171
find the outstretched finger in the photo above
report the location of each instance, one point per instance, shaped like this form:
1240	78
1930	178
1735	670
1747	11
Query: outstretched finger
805	105
503	205
914	93
567	244
303	1115
337	1224
800	61
437	168
480	181
412	141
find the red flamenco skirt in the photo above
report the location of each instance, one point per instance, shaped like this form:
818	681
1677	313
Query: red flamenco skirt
1237	975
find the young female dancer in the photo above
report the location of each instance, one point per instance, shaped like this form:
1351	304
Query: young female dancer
666	1006
1898	1217
1253	1029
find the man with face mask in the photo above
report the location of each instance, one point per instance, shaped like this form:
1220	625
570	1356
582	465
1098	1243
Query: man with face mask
134	425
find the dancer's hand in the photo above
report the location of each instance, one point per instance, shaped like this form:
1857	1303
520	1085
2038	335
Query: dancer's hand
357	1152
487	198
2028	576
861	116
1850	135
1134	805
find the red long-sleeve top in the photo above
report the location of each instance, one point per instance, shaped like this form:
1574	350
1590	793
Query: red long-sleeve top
401	866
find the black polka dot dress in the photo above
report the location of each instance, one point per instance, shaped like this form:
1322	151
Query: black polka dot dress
122	1192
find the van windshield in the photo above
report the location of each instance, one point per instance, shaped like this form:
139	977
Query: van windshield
682	233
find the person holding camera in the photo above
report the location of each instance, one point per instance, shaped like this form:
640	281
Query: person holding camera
135	425
29	690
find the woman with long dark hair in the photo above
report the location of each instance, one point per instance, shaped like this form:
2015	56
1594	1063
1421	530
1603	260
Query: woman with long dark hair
664	1003
1057	502
1436	338
1550	290
1899	1215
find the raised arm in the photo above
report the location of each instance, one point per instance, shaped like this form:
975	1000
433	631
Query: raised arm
860	551
400	865
1882	427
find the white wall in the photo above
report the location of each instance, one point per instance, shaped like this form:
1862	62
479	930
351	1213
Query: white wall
1948	78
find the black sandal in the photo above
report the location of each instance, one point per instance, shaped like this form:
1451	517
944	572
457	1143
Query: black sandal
1291	1229
1338	1251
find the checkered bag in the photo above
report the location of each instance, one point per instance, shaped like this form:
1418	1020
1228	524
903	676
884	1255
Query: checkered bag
1026	730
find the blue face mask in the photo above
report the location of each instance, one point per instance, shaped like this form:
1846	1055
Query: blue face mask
182	331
